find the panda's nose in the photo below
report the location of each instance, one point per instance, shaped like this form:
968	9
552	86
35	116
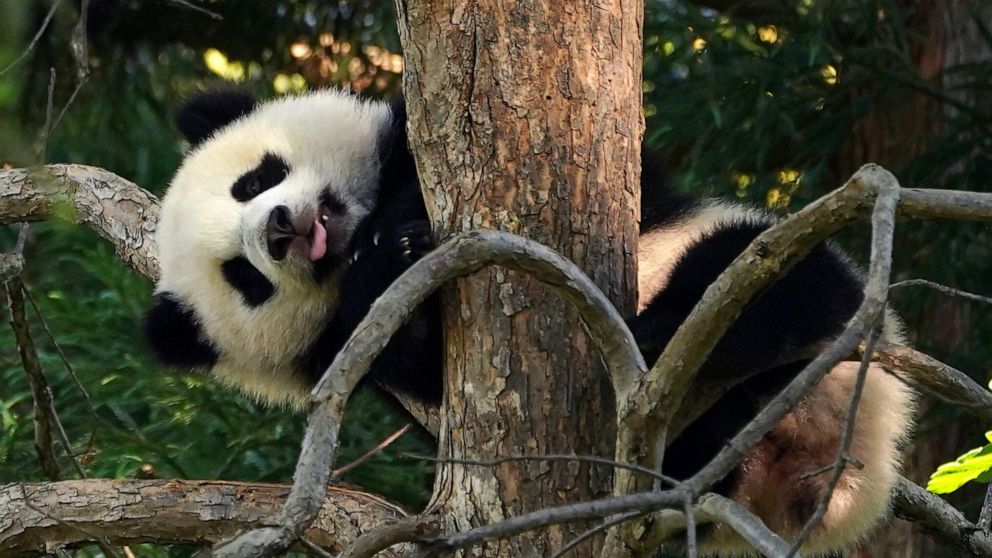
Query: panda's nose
279	232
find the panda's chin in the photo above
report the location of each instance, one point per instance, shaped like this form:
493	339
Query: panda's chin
325	267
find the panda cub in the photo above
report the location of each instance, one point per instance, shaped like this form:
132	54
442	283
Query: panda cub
283	224
288	219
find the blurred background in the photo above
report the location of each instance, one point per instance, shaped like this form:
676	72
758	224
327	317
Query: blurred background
767	101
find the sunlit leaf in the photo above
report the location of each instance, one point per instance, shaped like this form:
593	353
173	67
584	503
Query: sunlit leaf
974	465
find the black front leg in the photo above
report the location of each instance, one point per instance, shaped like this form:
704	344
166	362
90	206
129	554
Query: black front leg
411	362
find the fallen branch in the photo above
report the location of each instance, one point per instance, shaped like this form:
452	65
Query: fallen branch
35	516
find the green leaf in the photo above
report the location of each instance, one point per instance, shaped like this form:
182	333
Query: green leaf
974	465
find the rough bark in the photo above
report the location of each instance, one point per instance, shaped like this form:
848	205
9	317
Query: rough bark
37	518
117	209
525	117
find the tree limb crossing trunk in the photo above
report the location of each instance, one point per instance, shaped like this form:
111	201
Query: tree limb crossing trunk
526	117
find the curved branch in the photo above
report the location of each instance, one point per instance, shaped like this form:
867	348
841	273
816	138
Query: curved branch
117	209
465	253
125	512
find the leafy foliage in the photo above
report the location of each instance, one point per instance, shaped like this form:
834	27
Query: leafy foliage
975	465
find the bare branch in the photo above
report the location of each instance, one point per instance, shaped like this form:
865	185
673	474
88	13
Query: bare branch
942	288
465	253
645	418
745	523
404	530
63	357
35	39
985	518
170	511
941	520
929	374
597	509
209	13
552	457
843	458
337	473
41	394
115	208
592	532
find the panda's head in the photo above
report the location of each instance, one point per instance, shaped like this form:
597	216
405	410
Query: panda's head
253	231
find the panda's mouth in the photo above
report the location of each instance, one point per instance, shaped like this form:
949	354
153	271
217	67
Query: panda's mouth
318	234
308	235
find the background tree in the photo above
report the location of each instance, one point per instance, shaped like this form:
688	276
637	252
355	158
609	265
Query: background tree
809	90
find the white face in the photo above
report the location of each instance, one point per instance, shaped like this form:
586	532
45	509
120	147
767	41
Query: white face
284	188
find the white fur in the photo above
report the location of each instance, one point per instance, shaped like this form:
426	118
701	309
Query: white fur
807	438
328	138
659	249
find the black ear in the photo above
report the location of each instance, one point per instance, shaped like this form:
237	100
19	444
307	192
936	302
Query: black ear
394	150
209	111
174	335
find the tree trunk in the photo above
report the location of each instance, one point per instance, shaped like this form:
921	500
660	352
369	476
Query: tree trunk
525	117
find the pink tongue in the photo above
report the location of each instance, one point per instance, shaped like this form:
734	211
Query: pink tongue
318	244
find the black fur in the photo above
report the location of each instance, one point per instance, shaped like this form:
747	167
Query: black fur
172	331
809	305
254	287
385	244
207	112
271	170
660	204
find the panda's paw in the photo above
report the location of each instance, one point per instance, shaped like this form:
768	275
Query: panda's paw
413	241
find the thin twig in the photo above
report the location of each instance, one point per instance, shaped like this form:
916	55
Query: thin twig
956	293
744	523
842	459
42	149
35	39
592	532
642	503
201	9
691	544
408	529
41	394
72	98
336	473
22	237
81	56
58	350
550	457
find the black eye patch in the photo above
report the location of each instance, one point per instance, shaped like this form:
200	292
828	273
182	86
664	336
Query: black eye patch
333	203
254	287
271	171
